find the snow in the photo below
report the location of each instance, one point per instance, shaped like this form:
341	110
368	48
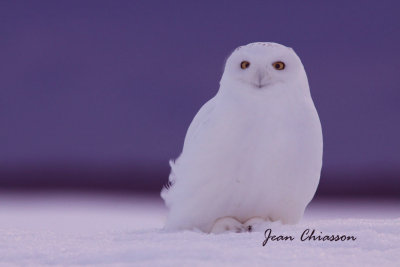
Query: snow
73	230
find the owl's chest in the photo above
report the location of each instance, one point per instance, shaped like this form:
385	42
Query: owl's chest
253	142
258	129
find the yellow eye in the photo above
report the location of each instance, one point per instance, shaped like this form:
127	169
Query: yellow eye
245	64
279	65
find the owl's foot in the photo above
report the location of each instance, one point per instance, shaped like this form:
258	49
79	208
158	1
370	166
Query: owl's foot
227	224
254	224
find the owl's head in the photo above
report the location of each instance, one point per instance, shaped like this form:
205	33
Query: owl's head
260	65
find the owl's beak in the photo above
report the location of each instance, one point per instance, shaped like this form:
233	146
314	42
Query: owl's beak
262	79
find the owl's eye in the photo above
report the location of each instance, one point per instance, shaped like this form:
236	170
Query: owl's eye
245	64
279	65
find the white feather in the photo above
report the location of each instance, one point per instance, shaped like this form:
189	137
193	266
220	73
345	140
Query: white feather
249	151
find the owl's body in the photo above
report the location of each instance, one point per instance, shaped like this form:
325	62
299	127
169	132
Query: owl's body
254	150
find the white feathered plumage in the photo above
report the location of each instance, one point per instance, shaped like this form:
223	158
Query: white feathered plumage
253	152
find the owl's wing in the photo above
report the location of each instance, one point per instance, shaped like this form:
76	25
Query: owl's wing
198	122
201	118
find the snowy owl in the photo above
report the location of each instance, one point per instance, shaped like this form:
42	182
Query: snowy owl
253	153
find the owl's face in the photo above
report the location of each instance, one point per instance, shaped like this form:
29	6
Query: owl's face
261	65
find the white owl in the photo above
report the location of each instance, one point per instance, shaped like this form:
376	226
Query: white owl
253	153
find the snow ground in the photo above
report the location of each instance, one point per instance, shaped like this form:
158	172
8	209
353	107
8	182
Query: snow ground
97	230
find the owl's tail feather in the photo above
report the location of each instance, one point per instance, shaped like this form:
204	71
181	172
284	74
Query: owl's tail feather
171	180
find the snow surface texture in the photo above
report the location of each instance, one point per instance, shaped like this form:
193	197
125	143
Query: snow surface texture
120	231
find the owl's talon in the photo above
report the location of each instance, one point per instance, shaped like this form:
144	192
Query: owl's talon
227	224
253	224
239	229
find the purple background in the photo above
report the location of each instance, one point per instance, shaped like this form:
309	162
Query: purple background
98	95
